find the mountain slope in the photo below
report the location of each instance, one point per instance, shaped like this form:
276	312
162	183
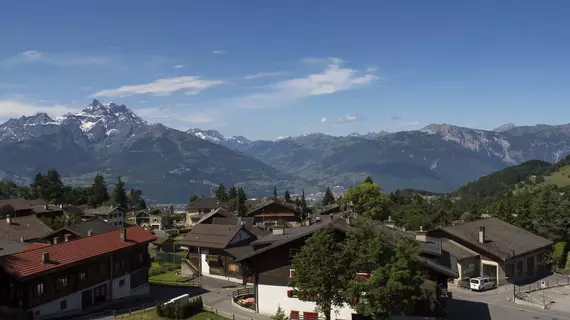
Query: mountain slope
169	165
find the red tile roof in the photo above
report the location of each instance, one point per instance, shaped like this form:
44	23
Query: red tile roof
28	263
35	245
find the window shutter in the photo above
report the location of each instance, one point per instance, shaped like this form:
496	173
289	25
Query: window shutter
363	275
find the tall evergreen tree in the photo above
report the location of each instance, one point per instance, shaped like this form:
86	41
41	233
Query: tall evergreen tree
303	205
328	198
120	195
221	193
275	193
136	201
54	186
287	197
99	193
38	187
241	208
368	180
192	198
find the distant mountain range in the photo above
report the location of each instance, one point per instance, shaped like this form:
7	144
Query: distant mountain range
169	164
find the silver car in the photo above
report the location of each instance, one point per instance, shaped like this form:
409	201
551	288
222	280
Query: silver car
482	284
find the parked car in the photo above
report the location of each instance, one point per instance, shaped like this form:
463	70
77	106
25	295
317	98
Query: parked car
482	284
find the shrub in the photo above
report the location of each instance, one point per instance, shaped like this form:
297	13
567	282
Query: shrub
559	252
567	266
279	315
176	311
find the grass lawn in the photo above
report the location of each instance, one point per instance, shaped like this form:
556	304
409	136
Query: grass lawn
560	178
151	315
167	276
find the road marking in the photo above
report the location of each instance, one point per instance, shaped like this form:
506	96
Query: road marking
517	307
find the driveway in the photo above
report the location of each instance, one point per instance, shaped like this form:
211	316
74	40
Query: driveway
494	304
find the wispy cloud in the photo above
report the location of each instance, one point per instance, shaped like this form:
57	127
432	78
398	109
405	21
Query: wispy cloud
396	118
57	59
324	119
333	79
218	52
347	118
180	116
162	87
18	108
179	66
261	75
371	69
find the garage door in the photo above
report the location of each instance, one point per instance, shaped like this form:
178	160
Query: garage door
490	271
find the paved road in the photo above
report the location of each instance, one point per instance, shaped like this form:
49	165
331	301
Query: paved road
467	305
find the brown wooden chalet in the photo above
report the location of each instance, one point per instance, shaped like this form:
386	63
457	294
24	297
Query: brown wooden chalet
79	230
71	277
270	262
274	211
213	249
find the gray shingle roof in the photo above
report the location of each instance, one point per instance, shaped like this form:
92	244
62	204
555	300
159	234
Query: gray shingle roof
100	211
457	250
96	225
9	247
210	235
205	203
288	206
501	237
26	227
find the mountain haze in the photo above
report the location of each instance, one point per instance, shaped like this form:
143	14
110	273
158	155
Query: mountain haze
169	164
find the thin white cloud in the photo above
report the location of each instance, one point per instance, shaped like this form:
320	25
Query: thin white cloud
371	69
57	59
179	116
161	87
333	79
347	118
191	92
179	66
261	75
218	52
16	108
324	119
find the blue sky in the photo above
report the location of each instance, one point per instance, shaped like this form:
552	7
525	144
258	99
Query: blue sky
265	69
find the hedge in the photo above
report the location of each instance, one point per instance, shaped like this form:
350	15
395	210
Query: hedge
176	311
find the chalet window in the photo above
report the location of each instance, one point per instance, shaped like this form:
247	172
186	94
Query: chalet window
62	282
293	252
121	282
82	275
63	305
291	273
232	267
39	290
141	258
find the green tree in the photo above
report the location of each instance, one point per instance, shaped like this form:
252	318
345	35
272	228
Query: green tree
368	200
320	272
136	201
368	180
192	198
303	205
275	193
233	201
396	273
221	193
279	314
328	198
120	195
99	193
241	208
287	197
54	187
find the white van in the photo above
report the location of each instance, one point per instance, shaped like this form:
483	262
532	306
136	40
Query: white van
482	284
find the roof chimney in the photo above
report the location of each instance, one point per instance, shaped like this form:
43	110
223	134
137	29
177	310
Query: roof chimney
421	228
124	234
89	233
66	237
482	234
55	240
45	257
21	239
45	206
8	219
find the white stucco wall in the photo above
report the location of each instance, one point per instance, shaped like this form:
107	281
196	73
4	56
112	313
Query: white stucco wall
270	297
231	279
205	266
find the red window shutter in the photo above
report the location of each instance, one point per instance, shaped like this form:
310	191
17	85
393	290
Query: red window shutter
291	273
289	293
294	315
250	278
362	275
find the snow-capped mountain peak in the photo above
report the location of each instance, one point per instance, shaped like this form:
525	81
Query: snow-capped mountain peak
216	137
